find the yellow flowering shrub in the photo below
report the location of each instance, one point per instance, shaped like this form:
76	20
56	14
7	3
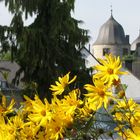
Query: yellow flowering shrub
69	116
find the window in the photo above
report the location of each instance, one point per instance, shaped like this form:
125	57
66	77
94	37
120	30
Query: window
125	51
3	84
106	51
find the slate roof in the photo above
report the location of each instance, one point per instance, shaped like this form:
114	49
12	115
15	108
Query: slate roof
10	67
133	86
7	88
111	33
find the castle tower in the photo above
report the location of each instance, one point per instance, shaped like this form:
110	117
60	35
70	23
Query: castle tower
111	39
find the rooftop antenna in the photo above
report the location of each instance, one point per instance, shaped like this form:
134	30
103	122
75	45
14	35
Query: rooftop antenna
111	9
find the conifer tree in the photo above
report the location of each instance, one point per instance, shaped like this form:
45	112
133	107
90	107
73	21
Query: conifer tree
50	46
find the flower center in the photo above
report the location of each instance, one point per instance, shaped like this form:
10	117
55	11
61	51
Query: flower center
11	131
110	71
57	129
116	82
65	84
101	93
43	112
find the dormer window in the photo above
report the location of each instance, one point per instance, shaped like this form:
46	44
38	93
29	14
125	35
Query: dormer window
106	51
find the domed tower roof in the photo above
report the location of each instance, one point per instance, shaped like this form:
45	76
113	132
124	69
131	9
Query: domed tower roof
111	33
135	43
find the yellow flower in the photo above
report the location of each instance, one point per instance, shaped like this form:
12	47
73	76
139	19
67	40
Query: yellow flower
41	112
71	101
130	134
14	126
135	134
127	112
129	105
3	130
17	122
85	112
29	131
55	129
98	94
4	109
109	69
66	107
63	114
60	86
10	129
61	119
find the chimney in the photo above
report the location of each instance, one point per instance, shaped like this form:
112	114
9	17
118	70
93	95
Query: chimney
89	48
127	39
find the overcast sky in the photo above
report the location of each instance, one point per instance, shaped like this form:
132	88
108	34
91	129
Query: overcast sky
96	12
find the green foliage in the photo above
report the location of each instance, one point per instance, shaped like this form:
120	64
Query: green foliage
5	56
130	57
50	45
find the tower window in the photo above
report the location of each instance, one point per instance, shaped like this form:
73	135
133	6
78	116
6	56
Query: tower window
106	51
125	51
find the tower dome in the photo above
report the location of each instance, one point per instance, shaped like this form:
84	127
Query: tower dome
111	33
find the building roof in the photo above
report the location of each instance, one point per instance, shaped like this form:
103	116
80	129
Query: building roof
133	86
135	43
9	67
110	33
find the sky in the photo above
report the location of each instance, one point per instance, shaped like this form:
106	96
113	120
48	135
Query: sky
96	12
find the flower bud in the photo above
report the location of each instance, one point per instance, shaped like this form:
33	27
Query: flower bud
121	94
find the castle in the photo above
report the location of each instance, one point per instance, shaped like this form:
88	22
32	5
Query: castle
112	39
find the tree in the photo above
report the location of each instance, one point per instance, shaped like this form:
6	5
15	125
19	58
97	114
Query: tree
50	46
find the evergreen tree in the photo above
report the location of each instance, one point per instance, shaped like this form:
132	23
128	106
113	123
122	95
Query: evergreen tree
50	46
